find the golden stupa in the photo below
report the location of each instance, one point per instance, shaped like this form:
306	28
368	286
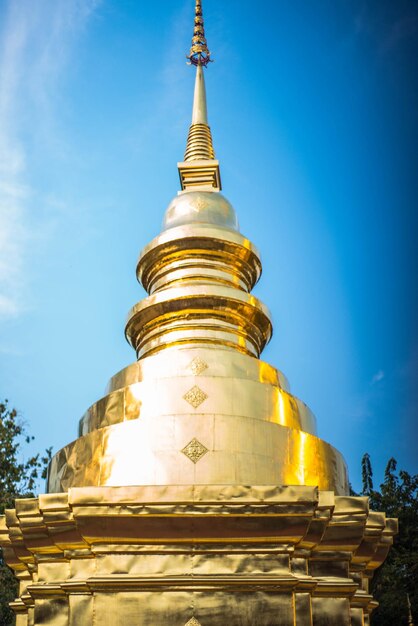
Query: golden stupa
197	493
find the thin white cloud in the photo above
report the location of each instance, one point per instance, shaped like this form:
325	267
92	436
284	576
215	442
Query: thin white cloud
376	378
36	41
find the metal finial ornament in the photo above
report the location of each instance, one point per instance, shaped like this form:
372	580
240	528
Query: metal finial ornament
199	51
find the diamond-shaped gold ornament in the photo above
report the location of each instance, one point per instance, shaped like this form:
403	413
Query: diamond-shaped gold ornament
193	622
195	396
198	366
194	451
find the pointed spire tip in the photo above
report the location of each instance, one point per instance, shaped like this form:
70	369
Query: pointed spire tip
199	51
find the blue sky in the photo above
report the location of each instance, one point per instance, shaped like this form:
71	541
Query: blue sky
313	108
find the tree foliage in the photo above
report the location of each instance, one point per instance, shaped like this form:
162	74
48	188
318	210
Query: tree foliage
19	478
395	583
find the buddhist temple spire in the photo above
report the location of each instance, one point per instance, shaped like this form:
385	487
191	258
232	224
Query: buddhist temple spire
199	141
197	492
199	170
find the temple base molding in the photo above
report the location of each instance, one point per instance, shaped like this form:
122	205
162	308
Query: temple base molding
195	555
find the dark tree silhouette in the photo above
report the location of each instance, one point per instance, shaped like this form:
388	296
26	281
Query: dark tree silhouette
18	479
395	584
